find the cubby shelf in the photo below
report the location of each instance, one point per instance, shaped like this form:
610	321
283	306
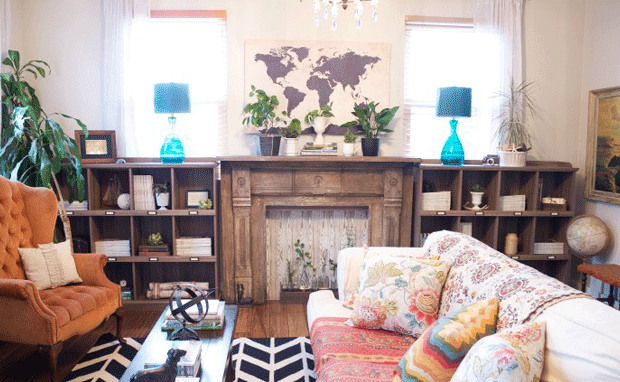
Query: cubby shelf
108	221
491	225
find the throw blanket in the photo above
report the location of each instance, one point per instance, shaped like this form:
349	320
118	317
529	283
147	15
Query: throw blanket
479	272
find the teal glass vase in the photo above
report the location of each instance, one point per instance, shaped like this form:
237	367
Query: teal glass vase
452	153
172	150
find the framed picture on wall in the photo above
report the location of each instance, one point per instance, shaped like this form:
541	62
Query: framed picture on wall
603	152
194	197
98	147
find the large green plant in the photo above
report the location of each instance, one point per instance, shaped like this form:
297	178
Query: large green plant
370	121
261	113
516	104
34	148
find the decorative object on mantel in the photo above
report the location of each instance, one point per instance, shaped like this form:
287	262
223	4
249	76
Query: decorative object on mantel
319	120
371	122
291	136
328	150
348	148
172	98
453	102
261	114
512	132
330	7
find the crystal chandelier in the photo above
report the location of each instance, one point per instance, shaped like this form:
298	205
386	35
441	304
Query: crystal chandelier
330	7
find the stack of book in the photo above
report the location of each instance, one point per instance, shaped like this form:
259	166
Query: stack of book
143	198
113	248
164	290
214	320
328	149
189	364
193	246
74	206
153	250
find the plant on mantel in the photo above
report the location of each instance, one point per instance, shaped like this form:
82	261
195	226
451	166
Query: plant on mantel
34	147
371	122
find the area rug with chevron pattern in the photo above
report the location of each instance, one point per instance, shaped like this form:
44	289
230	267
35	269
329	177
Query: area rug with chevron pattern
106	361
273	360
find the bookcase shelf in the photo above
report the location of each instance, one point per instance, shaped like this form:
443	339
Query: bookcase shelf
491	225
106	220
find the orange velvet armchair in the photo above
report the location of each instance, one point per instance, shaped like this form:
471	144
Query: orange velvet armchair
46	317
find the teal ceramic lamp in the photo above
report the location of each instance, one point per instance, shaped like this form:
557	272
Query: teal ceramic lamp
172	98
453	102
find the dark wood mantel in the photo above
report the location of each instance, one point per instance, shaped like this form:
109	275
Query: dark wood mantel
250	185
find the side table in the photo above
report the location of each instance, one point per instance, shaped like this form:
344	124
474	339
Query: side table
607	273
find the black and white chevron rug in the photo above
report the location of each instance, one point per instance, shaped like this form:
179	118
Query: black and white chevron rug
106	361
273	360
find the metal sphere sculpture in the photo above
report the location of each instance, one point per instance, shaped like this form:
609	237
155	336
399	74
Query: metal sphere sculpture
179	309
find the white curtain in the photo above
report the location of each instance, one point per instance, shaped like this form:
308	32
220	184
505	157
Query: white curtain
120	17
500	23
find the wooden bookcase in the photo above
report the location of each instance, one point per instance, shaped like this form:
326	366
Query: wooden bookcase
534	225
102	222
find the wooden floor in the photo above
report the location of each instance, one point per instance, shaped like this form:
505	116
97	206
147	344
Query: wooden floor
20	363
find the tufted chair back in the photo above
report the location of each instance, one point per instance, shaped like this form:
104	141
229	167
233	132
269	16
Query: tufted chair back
27	218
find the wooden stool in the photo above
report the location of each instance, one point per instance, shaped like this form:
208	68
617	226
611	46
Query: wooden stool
607	273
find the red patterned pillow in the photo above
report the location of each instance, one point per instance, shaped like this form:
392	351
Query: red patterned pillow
436	355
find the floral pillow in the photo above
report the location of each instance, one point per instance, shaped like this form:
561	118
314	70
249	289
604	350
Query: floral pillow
400	294
512	355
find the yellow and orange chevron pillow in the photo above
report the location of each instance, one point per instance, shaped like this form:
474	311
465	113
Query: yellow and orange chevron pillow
436	355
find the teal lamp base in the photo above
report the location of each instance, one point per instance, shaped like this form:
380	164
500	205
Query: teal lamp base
172	150
452	153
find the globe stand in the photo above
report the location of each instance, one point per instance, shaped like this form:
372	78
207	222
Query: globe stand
178	309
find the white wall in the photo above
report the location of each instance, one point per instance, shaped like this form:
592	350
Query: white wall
601	69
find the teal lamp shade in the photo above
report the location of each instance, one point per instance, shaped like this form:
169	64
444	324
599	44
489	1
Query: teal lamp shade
171	98
453	102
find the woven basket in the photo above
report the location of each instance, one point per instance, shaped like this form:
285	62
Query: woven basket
512	158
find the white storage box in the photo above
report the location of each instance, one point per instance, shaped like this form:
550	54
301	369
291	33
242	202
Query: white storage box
512	203
548	248
436	201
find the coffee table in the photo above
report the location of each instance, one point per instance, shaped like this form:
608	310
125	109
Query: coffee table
215	348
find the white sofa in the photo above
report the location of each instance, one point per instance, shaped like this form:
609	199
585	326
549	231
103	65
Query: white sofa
582	335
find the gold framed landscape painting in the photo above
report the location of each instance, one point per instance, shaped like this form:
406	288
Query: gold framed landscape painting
603	155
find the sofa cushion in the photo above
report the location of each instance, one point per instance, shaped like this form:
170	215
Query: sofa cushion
436	355
399	294
333	339
50	265
513	355
70	302
358	371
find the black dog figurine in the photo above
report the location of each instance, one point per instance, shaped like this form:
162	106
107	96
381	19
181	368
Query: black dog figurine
165	373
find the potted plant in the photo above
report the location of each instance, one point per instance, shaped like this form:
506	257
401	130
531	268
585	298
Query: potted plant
291	135
305	259
476	195
262	115
154	246
512	132
34	147
371	122
319	120
349	143
162	195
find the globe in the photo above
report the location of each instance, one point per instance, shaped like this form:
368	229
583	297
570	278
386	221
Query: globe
587	236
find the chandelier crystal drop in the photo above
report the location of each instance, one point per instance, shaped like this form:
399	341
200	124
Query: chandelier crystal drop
330	7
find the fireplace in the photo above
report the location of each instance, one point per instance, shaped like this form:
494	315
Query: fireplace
252	186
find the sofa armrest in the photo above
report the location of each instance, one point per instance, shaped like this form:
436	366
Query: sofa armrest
25	319
90	268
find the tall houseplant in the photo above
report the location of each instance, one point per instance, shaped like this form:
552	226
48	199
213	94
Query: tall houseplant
512	131
371	122
262	115
34	147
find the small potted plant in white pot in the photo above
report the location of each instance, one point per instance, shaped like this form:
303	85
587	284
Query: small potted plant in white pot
291	135
476	195
348	148
319	120
371	122
512	132
261	114
162	195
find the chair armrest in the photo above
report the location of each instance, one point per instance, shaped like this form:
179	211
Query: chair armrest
90	268
25	319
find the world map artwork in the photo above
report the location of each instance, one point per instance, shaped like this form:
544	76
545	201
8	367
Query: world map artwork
307	75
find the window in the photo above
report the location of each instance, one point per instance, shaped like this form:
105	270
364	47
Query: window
187	47
442	52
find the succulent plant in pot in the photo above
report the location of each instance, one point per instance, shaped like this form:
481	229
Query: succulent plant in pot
319	120
371	122
291	134
513	133
349	144
262	115
162	195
